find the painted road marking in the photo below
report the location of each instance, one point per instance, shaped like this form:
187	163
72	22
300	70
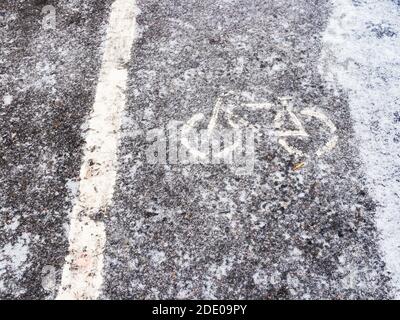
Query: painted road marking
189	127
331	144
301	132
82	272
236	122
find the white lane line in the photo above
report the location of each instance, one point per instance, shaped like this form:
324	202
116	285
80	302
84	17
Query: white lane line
82	273
367	35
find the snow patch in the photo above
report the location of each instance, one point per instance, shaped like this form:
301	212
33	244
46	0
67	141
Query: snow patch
13	264
361	54
7	99
157	257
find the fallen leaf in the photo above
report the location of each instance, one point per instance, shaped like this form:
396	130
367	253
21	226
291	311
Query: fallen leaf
298	166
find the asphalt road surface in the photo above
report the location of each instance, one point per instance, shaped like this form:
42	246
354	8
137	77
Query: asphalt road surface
90	89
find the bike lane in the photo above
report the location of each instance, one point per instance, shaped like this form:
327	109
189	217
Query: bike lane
298	226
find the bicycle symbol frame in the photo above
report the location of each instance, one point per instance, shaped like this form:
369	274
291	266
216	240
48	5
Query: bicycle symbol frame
237	122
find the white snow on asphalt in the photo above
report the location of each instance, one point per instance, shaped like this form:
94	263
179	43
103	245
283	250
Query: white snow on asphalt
13	258
362	54
7	100
82	273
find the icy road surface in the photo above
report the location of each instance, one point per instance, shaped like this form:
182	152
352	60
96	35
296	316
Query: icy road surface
90	89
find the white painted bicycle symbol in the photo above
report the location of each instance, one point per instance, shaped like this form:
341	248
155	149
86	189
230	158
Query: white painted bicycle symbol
284	115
